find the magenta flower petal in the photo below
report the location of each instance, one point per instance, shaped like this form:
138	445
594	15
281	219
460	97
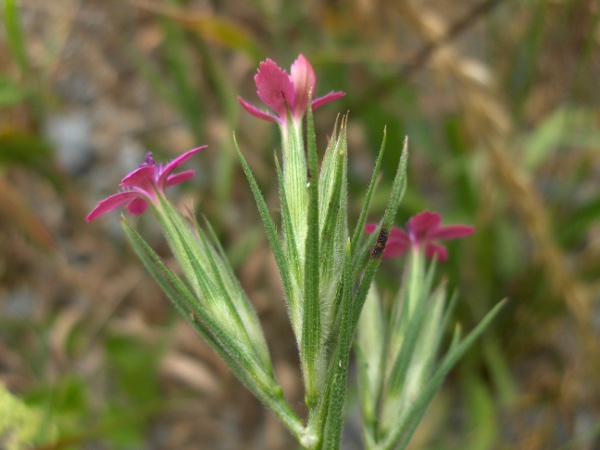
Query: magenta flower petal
275	87
166	172
371	227
144	184
179	178
333	95
110	203
398	241
421	224
142	179
395	248
137	206
257	112
423	229
434	250
399	235
451	232
304	81
280	91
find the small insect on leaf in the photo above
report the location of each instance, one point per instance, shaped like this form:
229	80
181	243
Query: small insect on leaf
379	246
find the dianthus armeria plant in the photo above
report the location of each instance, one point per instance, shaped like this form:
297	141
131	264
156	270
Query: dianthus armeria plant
327	270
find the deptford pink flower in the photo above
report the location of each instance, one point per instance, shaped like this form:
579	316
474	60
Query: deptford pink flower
423	229
144	184
278	91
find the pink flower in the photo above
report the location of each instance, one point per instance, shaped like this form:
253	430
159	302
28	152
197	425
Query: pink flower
278	91
423	229
144	184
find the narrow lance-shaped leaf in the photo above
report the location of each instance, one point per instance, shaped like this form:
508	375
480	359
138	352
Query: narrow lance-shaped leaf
358	230
388	219
269	225
334	236
370	347
406	325
288	229
311	325
351	313
292	258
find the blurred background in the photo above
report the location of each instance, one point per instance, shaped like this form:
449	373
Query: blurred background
500	101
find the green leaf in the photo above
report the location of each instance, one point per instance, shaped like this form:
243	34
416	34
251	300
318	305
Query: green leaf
331	409
293	259
370	346
295	179
270	229
358	230
389	216
412	348
311	345
351	308
411	333
334	231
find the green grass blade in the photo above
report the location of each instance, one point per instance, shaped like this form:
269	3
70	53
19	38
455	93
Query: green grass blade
15	35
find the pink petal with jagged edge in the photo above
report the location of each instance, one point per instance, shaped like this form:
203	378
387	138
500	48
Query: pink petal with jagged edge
275	88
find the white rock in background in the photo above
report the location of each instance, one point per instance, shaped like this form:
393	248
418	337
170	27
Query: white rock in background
71	136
